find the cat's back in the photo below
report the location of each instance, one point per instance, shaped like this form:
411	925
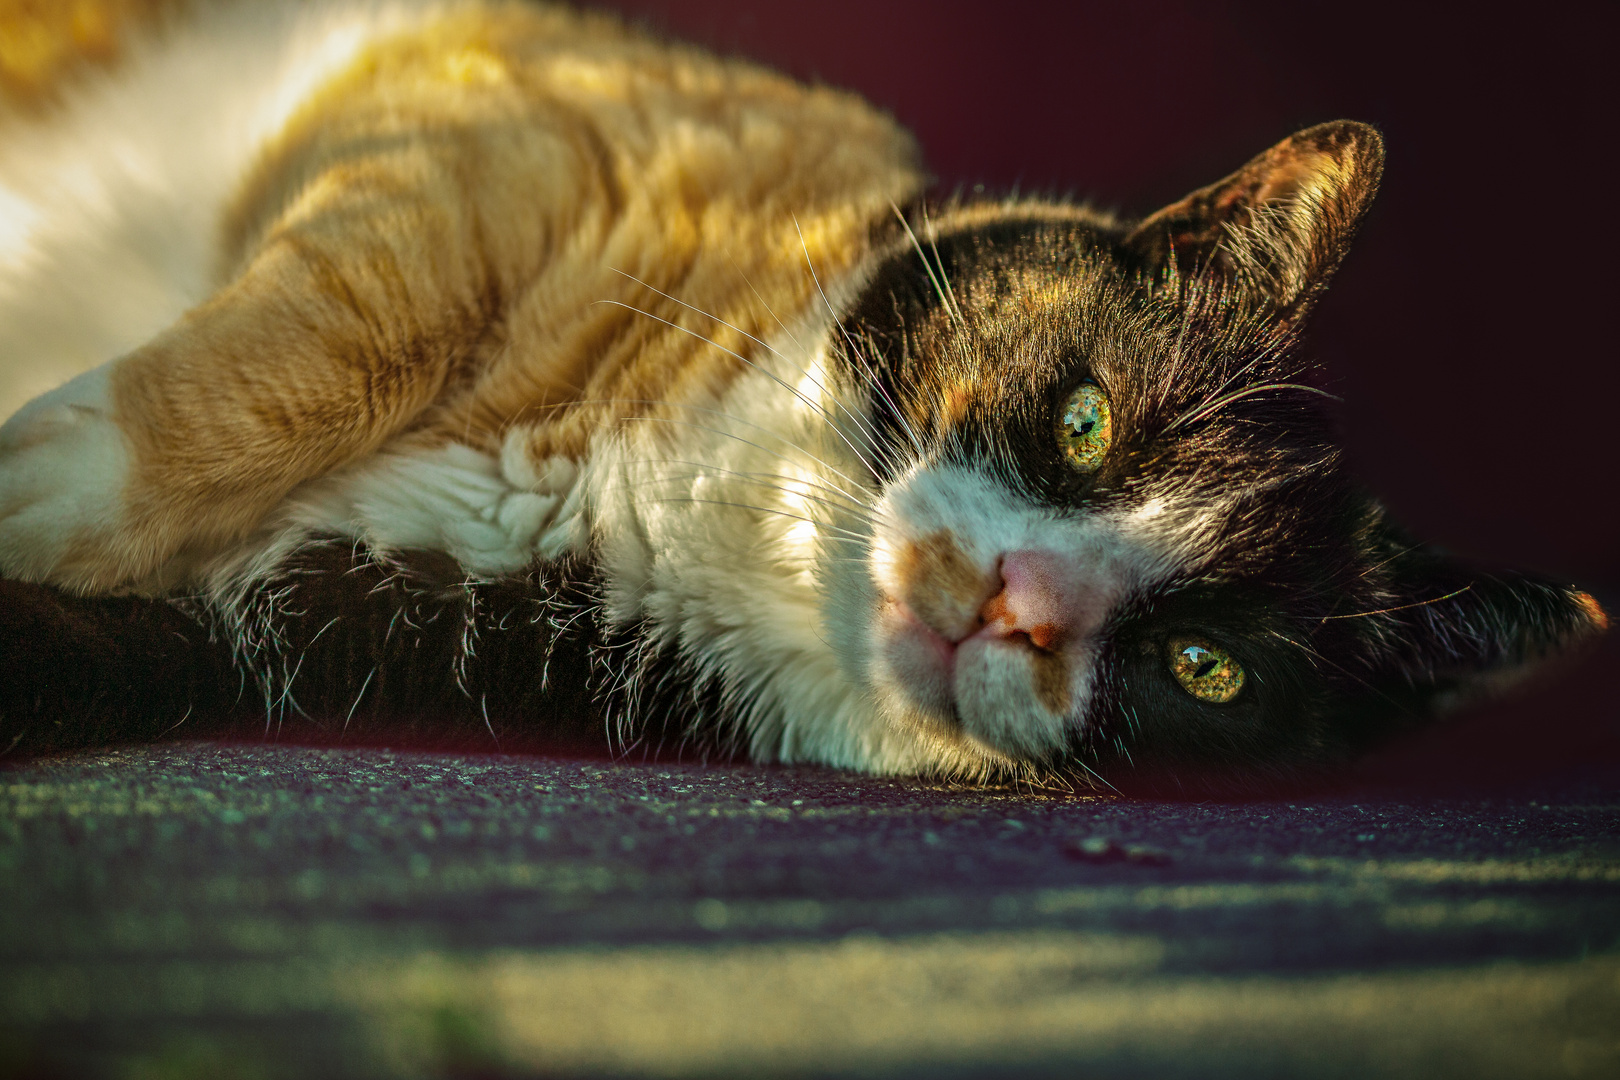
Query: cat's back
135	183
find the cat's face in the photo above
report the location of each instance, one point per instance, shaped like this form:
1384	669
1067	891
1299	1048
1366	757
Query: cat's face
1113	529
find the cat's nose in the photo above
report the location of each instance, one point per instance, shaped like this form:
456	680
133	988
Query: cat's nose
1045	599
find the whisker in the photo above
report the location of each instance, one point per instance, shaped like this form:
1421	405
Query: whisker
832	423
933	245
356	704
166	730
1401	607
483	705
764	450
845	533
869	373
1097	776
1308	650
1379	565
809	454
854	349
1226	384
928	268
1247	391
762	344
758	479
762	302
861	511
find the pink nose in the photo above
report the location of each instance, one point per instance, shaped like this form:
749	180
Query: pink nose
1044	598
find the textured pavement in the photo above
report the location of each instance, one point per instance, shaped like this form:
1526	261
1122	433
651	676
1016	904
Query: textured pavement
209	910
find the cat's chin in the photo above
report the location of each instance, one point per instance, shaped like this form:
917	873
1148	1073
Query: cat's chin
1007	696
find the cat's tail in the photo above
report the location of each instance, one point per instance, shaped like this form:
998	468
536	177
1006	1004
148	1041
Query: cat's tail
339	647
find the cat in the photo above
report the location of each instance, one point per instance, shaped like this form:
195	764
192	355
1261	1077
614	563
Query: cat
502	376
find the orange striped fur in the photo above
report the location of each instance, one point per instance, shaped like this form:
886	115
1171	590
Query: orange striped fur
466	231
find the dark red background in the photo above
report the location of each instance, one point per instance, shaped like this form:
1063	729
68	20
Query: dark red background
1468	332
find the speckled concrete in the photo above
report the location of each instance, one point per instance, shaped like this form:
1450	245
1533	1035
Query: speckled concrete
261	911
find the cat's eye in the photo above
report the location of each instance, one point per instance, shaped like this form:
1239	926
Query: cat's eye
1085	427
1206	672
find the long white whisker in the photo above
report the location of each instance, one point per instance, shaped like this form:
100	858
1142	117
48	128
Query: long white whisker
860	510
863	365
933	246
759	479
1226	385
928	268
809	455
356	704
854	349
851	413
1302	647
1400	607
844	533
1097	776
832	423
870	374
762	302
1249	391
764	450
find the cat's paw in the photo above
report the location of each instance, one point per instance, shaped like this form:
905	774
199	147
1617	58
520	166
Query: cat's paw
64	465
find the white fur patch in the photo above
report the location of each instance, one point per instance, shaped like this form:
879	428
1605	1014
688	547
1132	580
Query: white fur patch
451	498
64	464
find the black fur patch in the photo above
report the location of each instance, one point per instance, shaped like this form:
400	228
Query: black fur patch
341	646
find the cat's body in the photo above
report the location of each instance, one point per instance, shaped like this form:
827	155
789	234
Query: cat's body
504	363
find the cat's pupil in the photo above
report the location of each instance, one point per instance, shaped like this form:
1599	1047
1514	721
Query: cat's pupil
1205	668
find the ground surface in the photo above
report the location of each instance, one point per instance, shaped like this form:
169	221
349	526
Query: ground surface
225	911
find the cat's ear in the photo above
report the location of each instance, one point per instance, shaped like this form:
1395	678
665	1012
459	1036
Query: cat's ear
1448	632
1281	224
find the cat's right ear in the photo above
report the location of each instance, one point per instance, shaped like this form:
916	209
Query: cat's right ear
1280	225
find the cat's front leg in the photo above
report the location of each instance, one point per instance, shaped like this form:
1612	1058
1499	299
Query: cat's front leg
129	477
345	324
109	482
132	475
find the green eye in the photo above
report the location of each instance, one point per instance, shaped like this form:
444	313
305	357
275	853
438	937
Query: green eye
1205	672
1086	427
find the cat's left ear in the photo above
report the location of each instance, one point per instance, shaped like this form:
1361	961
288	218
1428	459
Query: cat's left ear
1281	224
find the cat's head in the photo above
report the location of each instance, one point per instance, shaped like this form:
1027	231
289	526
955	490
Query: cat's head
1114	534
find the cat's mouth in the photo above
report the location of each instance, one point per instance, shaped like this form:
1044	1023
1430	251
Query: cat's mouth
1006	662
996	627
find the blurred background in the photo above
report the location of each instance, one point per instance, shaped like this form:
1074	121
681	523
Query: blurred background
1470	330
